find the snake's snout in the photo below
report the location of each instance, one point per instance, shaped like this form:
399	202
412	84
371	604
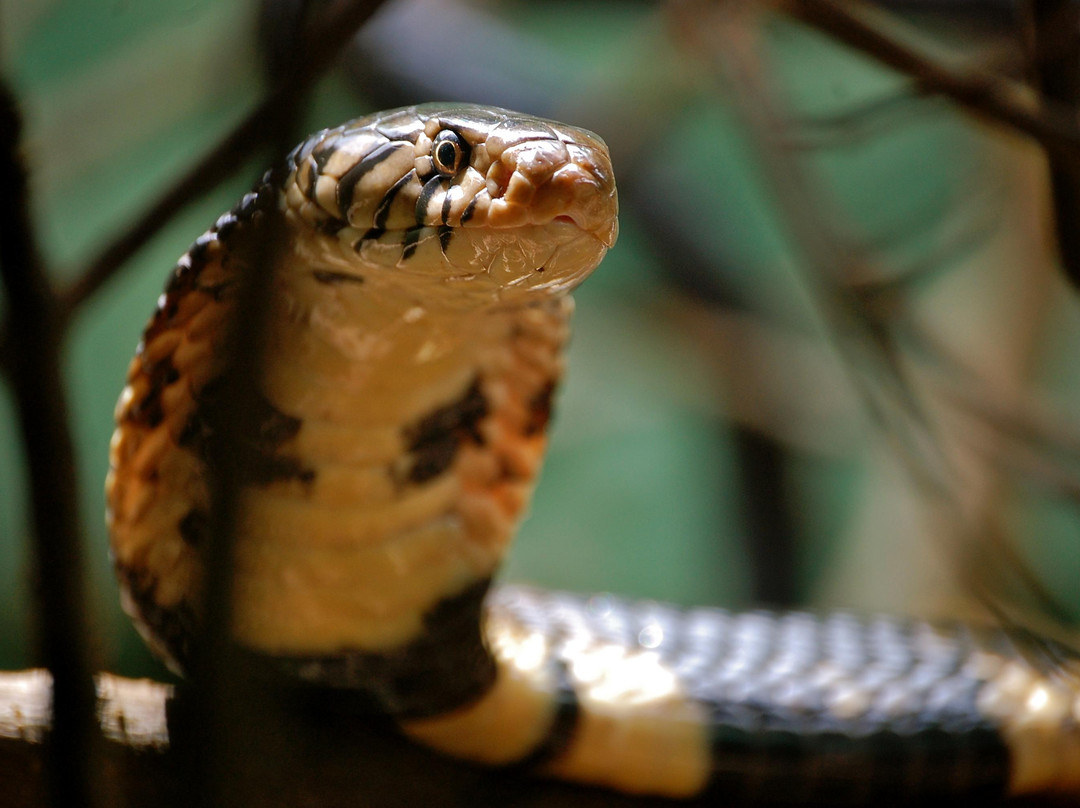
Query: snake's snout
561	180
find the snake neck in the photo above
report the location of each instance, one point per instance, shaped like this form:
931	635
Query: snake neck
392	455
414	439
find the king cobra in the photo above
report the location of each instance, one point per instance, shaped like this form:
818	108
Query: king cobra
414	340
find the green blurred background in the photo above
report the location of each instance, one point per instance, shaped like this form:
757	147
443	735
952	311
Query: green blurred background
709	428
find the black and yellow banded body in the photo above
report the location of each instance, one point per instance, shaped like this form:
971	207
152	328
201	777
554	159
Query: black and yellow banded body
414	341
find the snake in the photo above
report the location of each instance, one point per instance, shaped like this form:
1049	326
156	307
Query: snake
414	335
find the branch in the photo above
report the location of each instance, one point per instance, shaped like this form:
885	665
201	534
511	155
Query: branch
320	47
868	345
333	757
994	97
235	706
35	336
1056	34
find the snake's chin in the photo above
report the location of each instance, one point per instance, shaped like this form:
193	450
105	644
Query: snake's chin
531	263
477	267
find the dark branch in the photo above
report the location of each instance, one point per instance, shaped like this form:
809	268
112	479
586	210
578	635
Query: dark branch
34	346
233	705
836	270
319	49
332	757
993	97
1056	58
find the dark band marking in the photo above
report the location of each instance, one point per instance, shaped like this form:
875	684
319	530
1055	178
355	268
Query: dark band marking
410	242
446	208
445	667
446	233
194	526
756	760
765	748
263	469
256	445
563	726
540	410
428	191
470	209
322	156
383	211
173	627
149	411
332	277
307	175
434	440
346	186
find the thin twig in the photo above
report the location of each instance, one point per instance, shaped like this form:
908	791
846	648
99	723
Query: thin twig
324	42
36	336
866	343
991	96
225	159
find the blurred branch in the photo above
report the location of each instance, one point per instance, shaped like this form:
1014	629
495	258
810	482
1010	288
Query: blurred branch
1055	32
232	703
31	336
991	96
837	271
231	707
35	336
318	46
333	757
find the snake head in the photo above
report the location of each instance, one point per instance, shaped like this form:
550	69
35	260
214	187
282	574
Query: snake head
484	202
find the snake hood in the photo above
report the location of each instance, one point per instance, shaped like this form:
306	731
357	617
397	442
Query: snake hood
413	341
514	203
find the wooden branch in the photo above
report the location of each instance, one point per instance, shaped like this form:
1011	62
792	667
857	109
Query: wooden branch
35	337
1055	31
31	335
229	687
329	756
321	45
992	97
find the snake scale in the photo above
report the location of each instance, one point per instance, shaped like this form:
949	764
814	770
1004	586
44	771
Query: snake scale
414	338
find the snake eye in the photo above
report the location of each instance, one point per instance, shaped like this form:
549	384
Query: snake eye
449	152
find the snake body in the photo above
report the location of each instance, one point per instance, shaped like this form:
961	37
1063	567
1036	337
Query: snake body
414	343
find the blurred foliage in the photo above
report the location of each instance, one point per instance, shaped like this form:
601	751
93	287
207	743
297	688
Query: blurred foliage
642	493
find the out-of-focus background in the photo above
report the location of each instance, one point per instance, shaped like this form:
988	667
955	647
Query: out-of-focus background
829	362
